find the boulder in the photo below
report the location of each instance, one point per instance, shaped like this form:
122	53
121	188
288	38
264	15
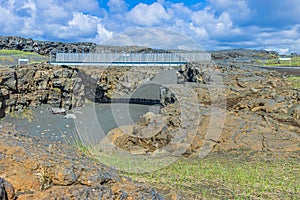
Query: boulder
296	112
58	111
149	126
8	79
167	96
7	191
70	116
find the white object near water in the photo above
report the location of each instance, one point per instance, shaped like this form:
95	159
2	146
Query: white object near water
70	116
23	61
58	110
285	59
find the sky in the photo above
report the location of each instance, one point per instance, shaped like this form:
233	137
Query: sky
214	24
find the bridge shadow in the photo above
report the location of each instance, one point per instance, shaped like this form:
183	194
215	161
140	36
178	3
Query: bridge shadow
151	93
130	101
148	94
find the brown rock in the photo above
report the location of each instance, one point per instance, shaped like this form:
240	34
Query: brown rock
136	150
296	112
38	169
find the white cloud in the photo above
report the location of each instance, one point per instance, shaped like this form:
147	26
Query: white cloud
238	9
6	18
285	39
79	27
180	11
271	14
86	24
200	31
148	15
90	6
102	34
54	14
18	17
158	38
283	51
215	27
117	6
267	38
216	23
53	19
30	25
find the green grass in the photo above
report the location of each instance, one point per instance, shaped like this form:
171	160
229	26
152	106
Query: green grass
81	147
295	81
265	56
215	177
23	114
118	160
15	52
127	163
10	57
72	139
295	61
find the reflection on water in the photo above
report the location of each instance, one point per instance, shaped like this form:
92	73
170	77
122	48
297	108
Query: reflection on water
92	118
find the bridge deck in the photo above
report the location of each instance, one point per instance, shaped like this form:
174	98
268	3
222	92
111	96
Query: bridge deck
120	63
129	59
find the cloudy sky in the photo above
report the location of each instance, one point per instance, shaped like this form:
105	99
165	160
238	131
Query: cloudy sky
215	24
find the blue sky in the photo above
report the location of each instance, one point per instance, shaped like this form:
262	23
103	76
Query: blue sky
215	24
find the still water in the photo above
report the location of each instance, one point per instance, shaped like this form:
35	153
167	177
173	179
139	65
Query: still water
91	119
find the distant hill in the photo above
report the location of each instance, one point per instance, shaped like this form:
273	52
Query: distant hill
46	47
42	47
243	53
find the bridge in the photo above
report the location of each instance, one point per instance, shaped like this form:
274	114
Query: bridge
149	94
166	58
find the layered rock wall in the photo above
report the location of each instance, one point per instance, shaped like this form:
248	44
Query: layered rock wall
25	86
69	87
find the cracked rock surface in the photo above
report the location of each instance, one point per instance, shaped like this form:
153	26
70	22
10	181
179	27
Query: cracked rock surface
37	169
260	108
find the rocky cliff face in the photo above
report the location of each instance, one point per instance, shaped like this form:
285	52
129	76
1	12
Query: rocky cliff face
57	86
262	114
69	87
25	86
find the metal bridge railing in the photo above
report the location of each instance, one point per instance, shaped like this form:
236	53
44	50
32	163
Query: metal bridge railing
129	58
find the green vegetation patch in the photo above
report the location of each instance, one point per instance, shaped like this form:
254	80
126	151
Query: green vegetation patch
27	113
220	176
118	160
214	178
15	52
10	57
295	81
295	61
